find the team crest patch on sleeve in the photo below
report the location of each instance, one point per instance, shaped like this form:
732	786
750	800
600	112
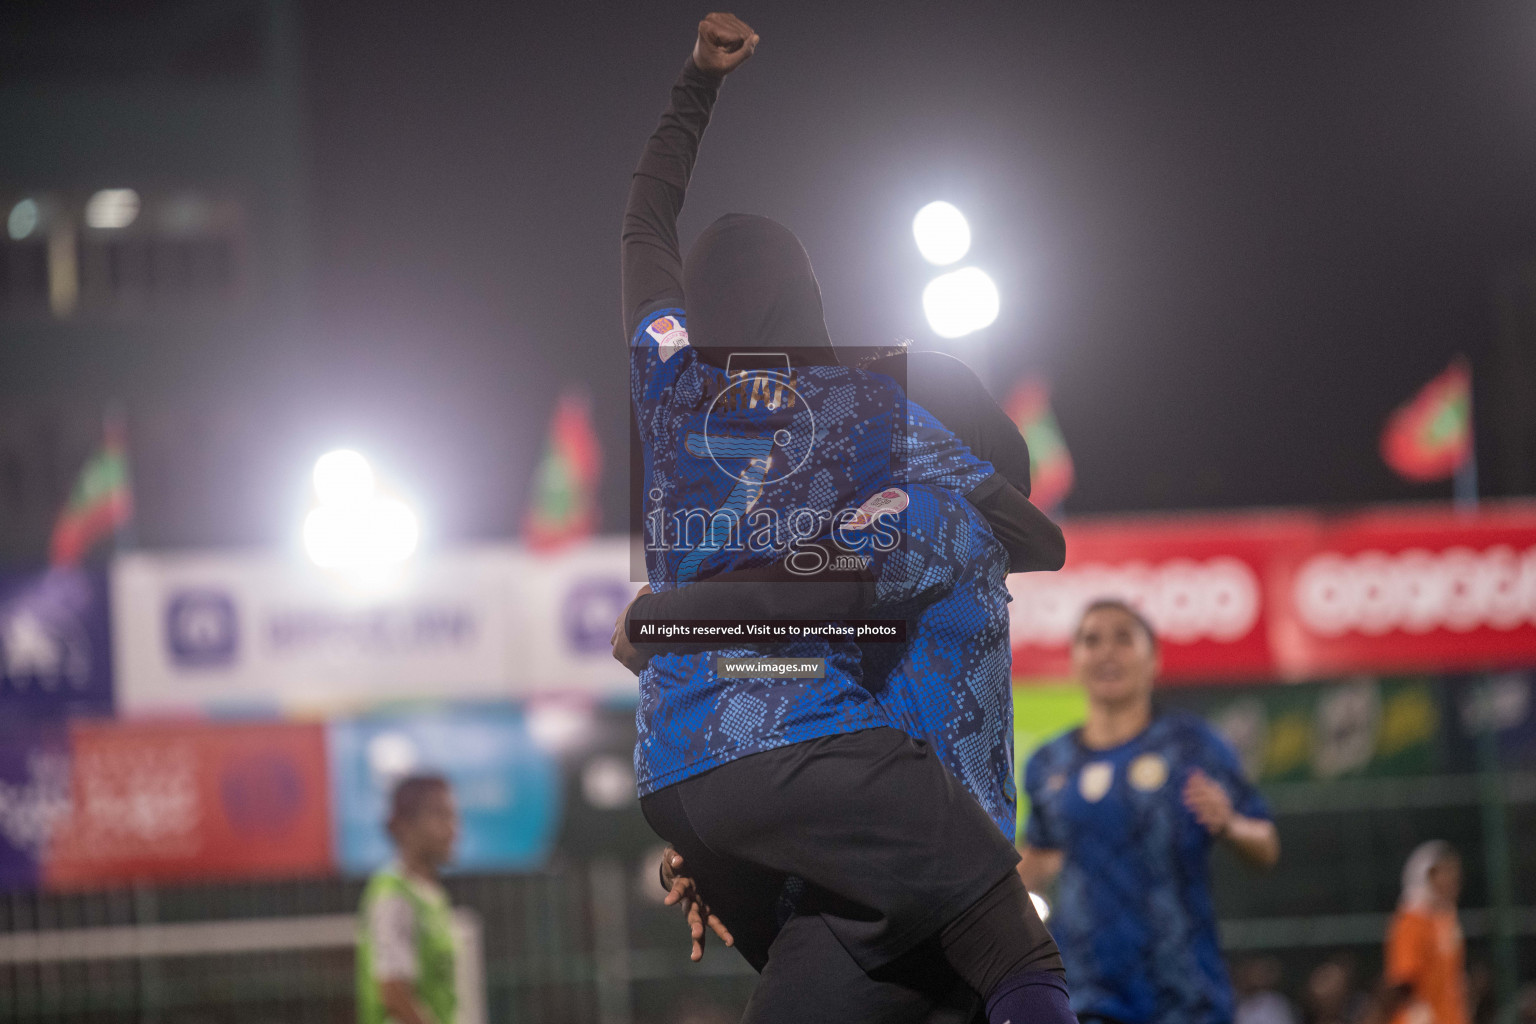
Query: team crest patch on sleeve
669	334
888	502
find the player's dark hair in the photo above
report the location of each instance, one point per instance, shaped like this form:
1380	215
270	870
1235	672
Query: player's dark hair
410	796
1119	605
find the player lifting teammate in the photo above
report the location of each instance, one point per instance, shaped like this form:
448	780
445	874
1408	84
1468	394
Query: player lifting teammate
753	780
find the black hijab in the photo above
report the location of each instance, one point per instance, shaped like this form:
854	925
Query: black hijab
749	285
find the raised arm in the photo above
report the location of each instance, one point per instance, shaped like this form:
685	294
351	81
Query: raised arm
651	258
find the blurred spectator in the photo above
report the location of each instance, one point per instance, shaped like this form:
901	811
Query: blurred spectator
1425	980
1256	981
406	945
1331	996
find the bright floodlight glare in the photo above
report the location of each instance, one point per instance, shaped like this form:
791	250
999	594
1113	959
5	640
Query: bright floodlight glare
343	477
1041	907
942	234
960	302
367	535
112	208
23	220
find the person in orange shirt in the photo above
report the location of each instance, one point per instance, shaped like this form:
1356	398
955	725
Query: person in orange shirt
1425	974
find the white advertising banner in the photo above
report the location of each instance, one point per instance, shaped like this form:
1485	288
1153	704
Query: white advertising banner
233	631
568	604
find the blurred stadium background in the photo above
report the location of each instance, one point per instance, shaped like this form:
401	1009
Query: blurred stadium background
244	233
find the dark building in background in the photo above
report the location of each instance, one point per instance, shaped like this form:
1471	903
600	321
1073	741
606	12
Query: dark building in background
152	184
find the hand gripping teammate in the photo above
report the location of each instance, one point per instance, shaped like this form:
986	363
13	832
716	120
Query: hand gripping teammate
757	779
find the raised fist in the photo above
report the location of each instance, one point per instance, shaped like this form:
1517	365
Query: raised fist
725	42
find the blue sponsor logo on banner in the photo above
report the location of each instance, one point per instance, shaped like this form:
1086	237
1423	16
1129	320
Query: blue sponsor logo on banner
591	607
55	654
506	785
201	628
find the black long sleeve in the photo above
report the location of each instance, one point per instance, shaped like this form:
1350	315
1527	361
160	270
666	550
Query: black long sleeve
951	391
652	262
1032	541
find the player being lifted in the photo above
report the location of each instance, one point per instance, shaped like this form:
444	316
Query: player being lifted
757	779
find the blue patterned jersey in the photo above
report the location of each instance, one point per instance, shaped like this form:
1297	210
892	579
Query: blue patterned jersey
1133	913
951	683
738	470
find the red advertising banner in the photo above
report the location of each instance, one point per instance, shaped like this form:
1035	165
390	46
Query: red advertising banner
1428	589
191	800
1298	595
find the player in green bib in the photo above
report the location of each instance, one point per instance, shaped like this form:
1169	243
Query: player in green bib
405	943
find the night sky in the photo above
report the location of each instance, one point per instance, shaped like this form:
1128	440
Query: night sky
1233	236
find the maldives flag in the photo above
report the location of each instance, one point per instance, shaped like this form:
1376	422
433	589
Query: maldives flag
1050	464
1429	437
563	508
100	504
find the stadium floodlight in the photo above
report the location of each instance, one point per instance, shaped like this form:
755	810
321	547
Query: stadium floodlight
23	220
343	477
112	208
354	527
942	234
960	302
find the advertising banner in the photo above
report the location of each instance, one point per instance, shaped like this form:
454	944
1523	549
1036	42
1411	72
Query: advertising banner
1501	704
1358	727
1409	590
567	604
55	646
34	797
217	632
1202	581
1298	595
1235	597
191	800
505	783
